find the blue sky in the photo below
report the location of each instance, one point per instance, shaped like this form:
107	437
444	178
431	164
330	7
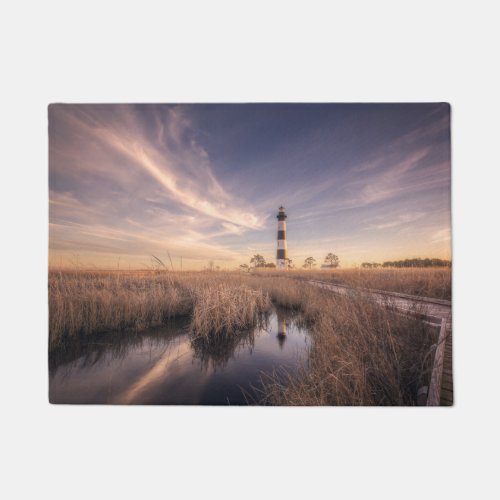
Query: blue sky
369	182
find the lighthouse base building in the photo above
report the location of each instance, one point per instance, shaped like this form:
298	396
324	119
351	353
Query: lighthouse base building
282	252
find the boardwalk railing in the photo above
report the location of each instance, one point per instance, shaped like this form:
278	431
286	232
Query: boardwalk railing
434	395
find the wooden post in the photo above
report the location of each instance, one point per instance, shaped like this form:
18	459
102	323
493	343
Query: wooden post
434	397
422	396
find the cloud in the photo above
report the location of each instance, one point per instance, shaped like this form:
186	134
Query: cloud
391	180
119	188
442	235
104	240
399	220
182	170
232	228
409	164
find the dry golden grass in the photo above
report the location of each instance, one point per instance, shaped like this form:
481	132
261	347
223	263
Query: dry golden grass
425	282
360	353
221	309
92	302
285	291
89	302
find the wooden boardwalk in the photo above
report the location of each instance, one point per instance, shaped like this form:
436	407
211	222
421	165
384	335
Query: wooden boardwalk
435	312
446	394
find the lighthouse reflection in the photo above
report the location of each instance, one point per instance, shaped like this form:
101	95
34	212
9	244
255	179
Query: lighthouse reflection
281	318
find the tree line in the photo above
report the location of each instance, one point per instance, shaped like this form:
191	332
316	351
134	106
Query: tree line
258	261
330	261
408	263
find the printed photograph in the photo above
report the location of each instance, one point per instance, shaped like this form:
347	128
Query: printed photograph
275	254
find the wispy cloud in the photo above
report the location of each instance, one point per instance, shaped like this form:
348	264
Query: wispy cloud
182	170
401	167
399	220
148	189
441	235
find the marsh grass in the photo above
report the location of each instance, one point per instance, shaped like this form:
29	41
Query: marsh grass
87	303
360	353
84	303
221	309
425	282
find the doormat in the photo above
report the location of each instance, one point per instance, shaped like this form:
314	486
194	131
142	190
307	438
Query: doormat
250	254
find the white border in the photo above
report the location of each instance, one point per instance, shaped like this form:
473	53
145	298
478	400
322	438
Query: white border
267	51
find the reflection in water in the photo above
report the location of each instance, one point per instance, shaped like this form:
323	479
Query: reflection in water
215	355
281	327
91	350
166	366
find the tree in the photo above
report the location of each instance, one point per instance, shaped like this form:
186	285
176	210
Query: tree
332	260
418	263
370	265
309	262
258	261
245	268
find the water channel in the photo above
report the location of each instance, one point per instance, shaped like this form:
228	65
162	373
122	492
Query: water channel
166	366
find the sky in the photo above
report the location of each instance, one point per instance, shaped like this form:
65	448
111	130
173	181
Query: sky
198	183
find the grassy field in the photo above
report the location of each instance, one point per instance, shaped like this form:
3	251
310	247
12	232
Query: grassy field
92	302
424	282
360	354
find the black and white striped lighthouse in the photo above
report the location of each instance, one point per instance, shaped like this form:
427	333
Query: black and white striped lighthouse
282	253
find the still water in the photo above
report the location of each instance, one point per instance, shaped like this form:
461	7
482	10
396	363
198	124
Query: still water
166	366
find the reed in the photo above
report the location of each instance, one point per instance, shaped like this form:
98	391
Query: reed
222	309
360	354
87	303
425	282
84	303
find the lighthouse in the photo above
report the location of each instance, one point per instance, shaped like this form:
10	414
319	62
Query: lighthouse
282	253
